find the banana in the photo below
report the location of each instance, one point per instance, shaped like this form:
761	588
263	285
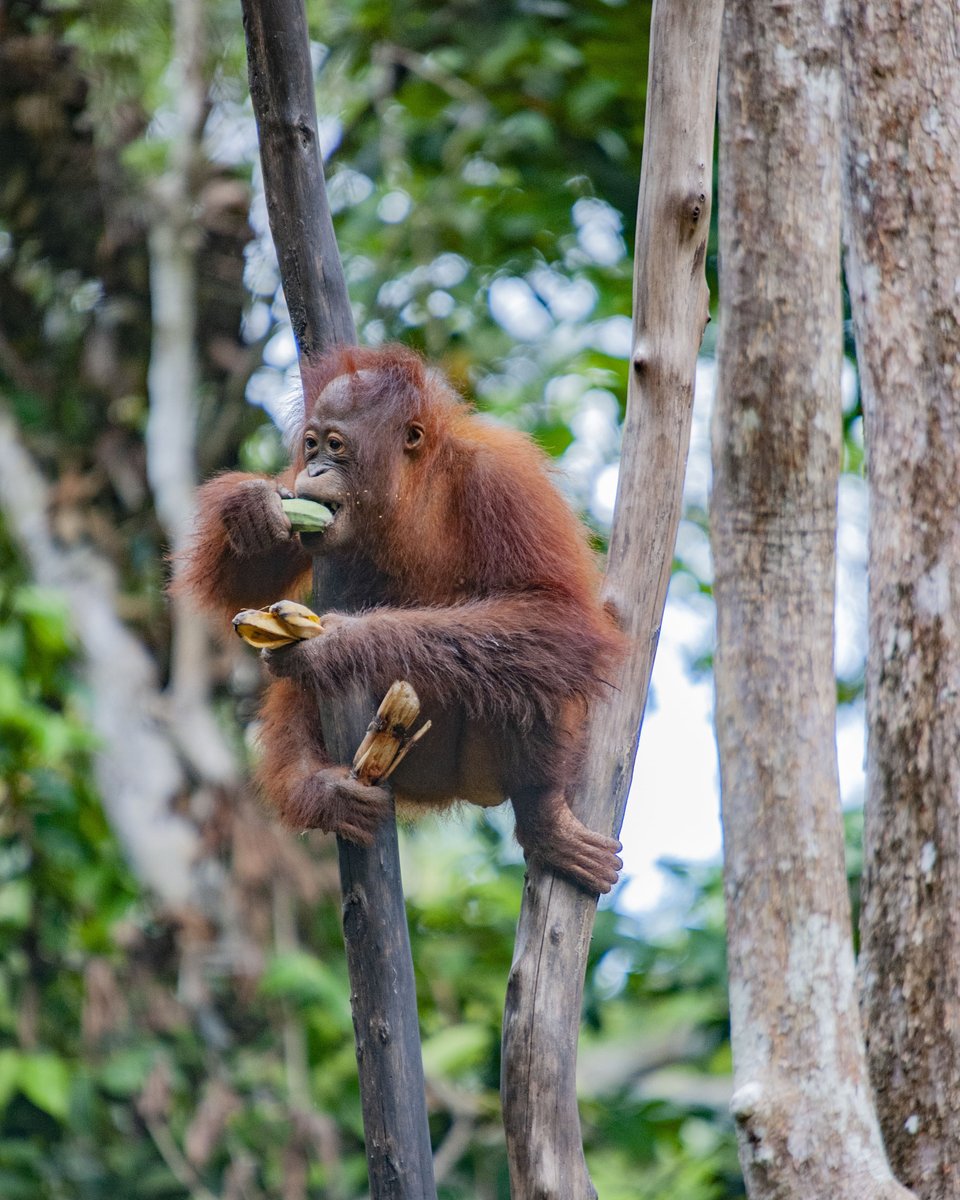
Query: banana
307	516
281	624
388	739
299	621
261	629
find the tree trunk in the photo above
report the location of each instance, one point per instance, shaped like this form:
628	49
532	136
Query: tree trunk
542	1012
805	1120
902	195
383	992
138	771
173	387
282	89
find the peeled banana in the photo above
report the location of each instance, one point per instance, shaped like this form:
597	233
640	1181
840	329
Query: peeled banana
307	516
279	625
388	739
297	619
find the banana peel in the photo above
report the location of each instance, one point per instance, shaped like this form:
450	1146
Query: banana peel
299	620
281	624
388	739
262	630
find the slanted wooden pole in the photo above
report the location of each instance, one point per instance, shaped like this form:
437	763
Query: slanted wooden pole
375	931
542	1015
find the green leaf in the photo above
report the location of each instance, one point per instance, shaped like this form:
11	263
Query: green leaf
304	979
45	1080
456	1049
125	1072
9	1070
16	903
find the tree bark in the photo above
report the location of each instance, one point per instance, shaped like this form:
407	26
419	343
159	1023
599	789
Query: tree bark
172	387
542	1012
399	1157
802	1104
281	86
383	992
137	768
901	166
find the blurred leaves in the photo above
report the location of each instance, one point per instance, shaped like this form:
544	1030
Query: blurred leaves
109	1087
483	162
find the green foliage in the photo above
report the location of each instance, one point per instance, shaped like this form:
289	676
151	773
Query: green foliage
484	151
62	883
102	1070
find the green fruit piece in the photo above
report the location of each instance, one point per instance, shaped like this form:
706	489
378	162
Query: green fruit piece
307	516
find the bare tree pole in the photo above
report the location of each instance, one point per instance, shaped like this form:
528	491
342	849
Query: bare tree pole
281	86
901	174
542	1012
802	1103
383	994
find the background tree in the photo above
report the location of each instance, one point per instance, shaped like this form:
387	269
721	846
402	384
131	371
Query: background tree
178	1026
801	1097
901	121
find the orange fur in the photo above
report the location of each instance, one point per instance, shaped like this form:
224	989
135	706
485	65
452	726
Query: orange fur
223	581
454	562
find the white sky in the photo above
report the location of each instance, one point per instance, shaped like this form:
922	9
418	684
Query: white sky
674	806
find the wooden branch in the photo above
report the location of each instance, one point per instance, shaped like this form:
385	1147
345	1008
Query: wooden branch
542	1014
399	1157
281	85
375	931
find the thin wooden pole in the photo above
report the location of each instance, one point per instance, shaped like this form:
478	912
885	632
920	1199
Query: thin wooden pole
383	994
282	89
542	1013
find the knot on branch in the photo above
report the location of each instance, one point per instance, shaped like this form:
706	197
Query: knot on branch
758	1121
355	910
746	1100
692	207
616	613
641	359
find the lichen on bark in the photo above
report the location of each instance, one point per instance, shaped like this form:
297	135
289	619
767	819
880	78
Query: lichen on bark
802	1103
901	175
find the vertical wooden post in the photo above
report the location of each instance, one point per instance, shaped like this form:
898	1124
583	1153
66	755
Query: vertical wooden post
282	89
542	1014
383	994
